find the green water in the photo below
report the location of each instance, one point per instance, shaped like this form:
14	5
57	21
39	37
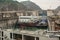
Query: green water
32	28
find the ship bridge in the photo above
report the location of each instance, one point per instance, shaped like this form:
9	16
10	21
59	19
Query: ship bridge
29	18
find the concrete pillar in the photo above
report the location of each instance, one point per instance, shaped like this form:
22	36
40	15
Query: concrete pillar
37	14
21	14
18	14
53	26
26	13
50	13
49	25
34	13
12	35
35	38
22	37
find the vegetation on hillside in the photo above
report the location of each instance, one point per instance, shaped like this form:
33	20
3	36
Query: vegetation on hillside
58	8
31	6
11	5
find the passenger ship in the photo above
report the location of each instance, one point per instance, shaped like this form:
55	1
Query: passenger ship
32	21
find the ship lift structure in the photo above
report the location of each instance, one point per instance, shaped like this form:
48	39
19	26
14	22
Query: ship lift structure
12	32
22	20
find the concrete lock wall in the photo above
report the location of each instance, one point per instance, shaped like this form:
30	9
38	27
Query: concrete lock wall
48	38
9	23
3	24
7	34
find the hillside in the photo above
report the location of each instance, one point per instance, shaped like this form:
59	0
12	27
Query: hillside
14	5
58	8
11	5
31	6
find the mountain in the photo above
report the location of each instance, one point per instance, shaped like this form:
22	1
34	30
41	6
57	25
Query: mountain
31	6
11	5
14	5
58	8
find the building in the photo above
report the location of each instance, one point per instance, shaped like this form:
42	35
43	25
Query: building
53	20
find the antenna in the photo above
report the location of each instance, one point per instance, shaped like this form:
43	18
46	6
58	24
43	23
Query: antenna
50	5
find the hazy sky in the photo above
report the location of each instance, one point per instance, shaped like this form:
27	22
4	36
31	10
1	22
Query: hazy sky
45	4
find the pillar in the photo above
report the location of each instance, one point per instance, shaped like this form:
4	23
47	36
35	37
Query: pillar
22	37
35	38
49	25
53	26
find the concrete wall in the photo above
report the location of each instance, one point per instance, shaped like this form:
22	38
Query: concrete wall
58	13
11	22
3	24
33	13
49	13
47	38
8	23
